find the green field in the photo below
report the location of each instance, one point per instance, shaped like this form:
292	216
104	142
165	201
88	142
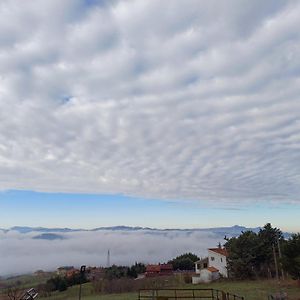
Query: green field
251	290
26	281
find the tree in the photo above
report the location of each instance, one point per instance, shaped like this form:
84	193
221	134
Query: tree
62	286
14	292
57	283
184	262
251	254
291	256
115	272
242	259
269	237
134	270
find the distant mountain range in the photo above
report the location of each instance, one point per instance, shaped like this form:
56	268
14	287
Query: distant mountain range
236	229
56	233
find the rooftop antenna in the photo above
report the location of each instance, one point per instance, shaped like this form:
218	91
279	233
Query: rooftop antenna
108	259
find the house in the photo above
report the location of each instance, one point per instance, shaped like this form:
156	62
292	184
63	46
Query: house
71	273
166	269
159	270
206	275
212	267
39	273
62	271
217	257
201	264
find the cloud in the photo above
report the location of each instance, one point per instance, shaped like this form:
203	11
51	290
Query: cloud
151	99
20	253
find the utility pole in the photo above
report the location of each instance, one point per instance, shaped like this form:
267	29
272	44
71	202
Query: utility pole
280	257
108	259
275	261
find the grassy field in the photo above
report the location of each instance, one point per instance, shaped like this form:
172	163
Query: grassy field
251	290
26	281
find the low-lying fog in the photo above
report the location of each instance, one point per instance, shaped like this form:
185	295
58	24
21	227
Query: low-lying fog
21	253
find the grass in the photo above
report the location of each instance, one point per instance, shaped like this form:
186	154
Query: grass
251	290
26	281
256	289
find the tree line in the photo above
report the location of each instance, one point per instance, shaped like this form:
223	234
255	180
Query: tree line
265	254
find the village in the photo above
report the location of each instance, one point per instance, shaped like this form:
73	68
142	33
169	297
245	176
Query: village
210	268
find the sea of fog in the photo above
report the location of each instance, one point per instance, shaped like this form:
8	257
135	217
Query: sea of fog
23	252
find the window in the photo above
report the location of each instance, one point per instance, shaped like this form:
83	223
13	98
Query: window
221	259
205	265
212	258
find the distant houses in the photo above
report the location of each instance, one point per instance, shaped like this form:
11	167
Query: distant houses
212	267
62	271
159	270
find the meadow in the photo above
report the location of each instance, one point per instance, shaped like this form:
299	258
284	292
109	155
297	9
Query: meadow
251	290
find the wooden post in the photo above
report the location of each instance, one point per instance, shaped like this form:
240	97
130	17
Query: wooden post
280	257
275	261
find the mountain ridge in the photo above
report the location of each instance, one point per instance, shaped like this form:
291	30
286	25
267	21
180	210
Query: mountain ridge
229	231
28	229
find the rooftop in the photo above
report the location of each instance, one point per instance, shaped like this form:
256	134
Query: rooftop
221	251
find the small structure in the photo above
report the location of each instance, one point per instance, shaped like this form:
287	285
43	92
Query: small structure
211	267
166	269
201	264
159	270
71	273
62	271
39	273
206	275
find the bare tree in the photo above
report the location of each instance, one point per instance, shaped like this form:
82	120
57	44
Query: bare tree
14	292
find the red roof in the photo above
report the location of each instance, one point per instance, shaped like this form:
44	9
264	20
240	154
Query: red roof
161	269
221	251
212	269
153	268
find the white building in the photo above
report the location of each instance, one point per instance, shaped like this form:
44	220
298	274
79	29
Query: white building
217	258
212	267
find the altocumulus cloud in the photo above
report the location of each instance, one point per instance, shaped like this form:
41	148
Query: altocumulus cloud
164	99
20	253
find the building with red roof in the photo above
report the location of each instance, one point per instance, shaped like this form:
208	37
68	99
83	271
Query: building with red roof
159	270
212	267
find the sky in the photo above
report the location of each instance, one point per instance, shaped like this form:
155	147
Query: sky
149	113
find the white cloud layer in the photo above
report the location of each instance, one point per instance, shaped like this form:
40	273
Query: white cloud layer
162	99
21	254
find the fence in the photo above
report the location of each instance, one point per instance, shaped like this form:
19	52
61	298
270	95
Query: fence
186	294
278	296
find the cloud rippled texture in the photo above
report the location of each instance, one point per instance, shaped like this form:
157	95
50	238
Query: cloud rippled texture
151	98
20	253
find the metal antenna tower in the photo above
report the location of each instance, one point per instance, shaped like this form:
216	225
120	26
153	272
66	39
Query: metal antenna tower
108	259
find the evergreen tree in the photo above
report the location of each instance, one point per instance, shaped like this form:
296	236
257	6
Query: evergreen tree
184	262
242	263
291	256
